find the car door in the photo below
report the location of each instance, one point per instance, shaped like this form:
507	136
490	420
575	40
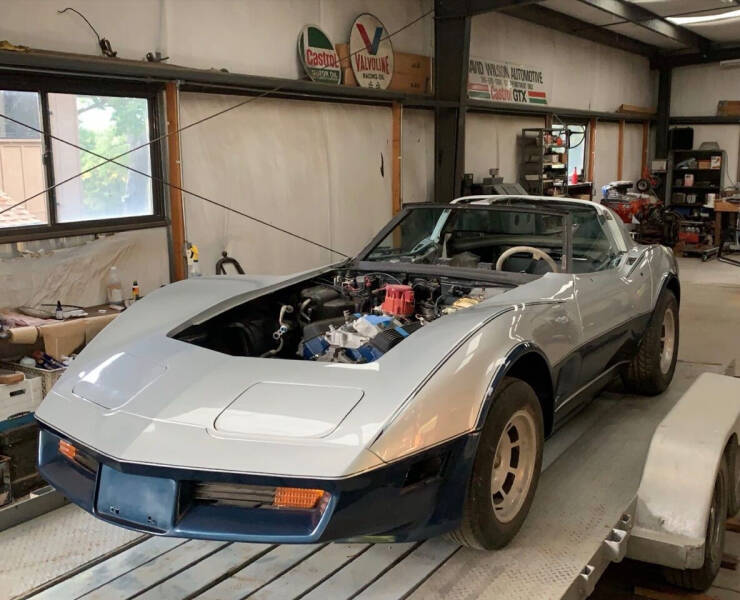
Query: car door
613	288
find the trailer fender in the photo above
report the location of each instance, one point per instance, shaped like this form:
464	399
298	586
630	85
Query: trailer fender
675	493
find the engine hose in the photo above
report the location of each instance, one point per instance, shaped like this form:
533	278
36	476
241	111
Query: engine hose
274	351
302	310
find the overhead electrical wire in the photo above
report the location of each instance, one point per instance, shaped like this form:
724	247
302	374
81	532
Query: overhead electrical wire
114	160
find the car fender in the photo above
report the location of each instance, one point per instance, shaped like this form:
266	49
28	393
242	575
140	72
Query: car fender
457	395
675	492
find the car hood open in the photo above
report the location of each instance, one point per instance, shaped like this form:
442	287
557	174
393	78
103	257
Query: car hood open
138	395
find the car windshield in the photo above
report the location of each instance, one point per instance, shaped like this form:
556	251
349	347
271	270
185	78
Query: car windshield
475	237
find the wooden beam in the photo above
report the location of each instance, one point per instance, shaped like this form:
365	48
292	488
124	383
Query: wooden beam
645	137
620	151
591	148
397	114
174	174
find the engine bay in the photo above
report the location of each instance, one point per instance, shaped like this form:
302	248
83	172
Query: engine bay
344	316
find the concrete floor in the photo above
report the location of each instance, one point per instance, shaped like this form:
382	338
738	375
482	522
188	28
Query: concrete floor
709	334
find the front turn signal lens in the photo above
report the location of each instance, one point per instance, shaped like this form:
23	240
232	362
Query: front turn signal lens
288	497
67	449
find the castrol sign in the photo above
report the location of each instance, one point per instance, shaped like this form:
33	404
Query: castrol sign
371	52
319	59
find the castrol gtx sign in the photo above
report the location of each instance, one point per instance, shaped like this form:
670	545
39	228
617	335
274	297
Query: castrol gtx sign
500	81
371	52
319	59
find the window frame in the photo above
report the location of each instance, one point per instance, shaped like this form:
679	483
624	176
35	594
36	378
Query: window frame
565	124
44	85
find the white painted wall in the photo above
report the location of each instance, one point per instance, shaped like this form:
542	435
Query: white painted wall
309	167
696	89
257	37
582	74
632	156
417	156
605	166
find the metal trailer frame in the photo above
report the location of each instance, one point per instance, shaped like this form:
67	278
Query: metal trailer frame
607	475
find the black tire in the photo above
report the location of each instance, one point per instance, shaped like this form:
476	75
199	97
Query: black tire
644	374
481	527
733	468
700	579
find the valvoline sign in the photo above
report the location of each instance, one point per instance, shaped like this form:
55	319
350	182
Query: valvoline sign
371	52
319	59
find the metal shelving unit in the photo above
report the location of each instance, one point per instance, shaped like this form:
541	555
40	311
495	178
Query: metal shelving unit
691	200
544	161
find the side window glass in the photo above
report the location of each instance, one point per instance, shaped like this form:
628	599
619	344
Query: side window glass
592	247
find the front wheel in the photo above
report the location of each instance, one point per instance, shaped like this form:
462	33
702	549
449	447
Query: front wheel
506	469
651	370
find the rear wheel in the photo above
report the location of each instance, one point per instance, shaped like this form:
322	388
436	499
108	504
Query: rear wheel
506	469
700	579
651	370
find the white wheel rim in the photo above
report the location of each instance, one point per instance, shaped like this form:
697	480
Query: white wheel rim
513	466
667	340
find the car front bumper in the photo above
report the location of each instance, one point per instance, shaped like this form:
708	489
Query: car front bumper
410	499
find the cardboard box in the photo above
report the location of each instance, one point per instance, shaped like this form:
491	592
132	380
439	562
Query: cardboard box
411	72
728	108
62	339
703	164
410	83
636	110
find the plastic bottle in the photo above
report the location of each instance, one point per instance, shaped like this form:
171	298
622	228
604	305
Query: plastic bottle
115	291
574	175
194	266
135	292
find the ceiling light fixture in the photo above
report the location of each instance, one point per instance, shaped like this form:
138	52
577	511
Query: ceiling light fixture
704	18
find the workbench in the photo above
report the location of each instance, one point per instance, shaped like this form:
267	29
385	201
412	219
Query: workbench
722	208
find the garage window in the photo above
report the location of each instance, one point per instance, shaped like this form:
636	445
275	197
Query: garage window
103	119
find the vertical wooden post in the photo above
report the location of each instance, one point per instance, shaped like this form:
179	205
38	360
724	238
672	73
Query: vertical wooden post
620	151
175	178
397	115
591	149
645	134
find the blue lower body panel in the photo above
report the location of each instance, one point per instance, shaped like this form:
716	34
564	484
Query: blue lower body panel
411	499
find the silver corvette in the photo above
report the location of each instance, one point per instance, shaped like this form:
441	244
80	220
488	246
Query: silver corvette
395	396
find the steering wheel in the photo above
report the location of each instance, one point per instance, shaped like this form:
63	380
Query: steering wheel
536	253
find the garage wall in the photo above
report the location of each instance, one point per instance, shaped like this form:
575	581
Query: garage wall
632	161
607	145
582	74
696	89
256	37
491	141
320	170
417	156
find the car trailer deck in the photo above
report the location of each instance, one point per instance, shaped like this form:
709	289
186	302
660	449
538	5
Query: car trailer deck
579	522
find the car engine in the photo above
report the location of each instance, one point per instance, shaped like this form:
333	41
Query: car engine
350	317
